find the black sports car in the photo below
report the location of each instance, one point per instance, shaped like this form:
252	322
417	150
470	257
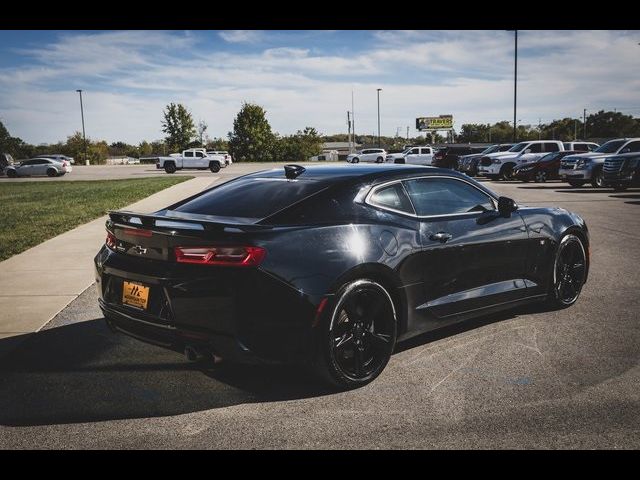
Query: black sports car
332	265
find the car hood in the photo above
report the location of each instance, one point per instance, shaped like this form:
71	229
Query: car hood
502	154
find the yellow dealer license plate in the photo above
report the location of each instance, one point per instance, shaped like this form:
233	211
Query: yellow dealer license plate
135	295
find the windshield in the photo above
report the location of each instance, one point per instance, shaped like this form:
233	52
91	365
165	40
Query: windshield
611	146
518	147
491	149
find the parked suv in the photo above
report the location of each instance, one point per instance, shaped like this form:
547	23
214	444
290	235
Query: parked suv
447	157
587	167
621	171
500	165
376	155
469	163
412	156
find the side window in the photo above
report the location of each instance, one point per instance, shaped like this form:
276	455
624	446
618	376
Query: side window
633	146
567	146
535	148
551	147
28	162
444	196
414	151
188	154
393	197
426	151
199	154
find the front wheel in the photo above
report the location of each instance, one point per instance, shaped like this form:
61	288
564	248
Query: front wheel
597	179
379	160
541	176
214	167
170	168
357	339
12	173
355	160
506	172
569	272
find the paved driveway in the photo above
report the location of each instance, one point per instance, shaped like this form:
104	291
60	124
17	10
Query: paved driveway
524	379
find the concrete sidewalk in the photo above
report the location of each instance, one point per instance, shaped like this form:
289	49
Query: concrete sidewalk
37	284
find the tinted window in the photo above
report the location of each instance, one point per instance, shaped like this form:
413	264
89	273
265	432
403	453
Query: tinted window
518	147
414	151
251	197
504	148
29	162
442	196
392	196
567	146
535	147
551	147
491	149
426	151
199	154
550	157
611	146
633	147
188	154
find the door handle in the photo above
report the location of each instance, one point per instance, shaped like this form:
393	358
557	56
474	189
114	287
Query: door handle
441	237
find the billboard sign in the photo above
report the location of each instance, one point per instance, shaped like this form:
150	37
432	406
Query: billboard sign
442	122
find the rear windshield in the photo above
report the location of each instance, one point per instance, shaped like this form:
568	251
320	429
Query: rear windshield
251	197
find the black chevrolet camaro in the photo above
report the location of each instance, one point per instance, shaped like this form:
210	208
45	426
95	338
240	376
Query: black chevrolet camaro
330	266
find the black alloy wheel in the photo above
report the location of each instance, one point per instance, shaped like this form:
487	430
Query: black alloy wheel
506	173
540	176
360	335
569	271
52	172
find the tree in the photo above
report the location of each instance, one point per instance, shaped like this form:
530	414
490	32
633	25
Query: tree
612	124
252	139
217	144
178	125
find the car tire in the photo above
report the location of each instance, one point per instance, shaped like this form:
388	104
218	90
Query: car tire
379	160
575	183
12	173
170	167
355	160
506	172
214	167
568	273
597	178
357	336
52	172
541	176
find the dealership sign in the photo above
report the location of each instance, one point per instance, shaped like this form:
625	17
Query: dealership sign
442	122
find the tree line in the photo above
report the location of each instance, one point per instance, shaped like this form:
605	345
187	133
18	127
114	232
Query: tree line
253	139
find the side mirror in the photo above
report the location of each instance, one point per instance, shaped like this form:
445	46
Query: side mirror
506	206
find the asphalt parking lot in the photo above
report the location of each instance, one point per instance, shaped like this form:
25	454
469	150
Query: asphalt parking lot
523	379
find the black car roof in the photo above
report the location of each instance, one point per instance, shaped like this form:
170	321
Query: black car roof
347	170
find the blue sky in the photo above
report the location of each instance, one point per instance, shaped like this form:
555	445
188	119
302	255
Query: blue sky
305	78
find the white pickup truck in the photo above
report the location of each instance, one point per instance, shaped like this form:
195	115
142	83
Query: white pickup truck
195	158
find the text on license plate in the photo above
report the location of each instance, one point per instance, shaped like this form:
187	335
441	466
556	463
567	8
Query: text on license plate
135	294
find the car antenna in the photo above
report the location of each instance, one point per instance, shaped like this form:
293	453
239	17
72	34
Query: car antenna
292	171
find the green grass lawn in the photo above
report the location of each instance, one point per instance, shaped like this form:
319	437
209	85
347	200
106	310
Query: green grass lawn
32	212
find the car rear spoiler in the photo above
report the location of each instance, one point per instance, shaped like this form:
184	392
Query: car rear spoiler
172	220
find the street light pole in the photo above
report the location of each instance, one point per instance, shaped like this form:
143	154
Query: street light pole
379	89
584	125
84	137
515	85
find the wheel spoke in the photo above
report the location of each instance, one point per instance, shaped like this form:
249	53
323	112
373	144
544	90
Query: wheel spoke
351	310
358	360
379	341
343	341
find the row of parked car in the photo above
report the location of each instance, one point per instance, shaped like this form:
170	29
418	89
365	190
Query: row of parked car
50	165
615	164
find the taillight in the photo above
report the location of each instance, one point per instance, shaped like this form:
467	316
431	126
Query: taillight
230	256
65	164
110	241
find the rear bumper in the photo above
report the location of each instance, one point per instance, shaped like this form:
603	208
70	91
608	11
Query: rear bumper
242	314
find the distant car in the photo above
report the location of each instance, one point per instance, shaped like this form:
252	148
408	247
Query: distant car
447	157
228	160
469	163
581	146
412	156
38	166
500	165
58	157
546	168
622	171
5	160
370	155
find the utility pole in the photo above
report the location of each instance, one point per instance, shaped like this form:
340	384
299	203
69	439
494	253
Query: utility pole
353	122
407	133
379	89
575	129
84	137
349	130
539	127
515	85
584	125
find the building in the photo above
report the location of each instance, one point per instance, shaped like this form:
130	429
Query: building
123	160
341	147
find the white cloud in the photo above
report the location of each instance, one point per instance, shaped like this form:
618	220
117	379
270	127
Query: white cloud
241	36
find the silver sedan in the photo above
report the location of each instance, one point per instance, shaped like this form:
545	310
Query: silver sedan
38	166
